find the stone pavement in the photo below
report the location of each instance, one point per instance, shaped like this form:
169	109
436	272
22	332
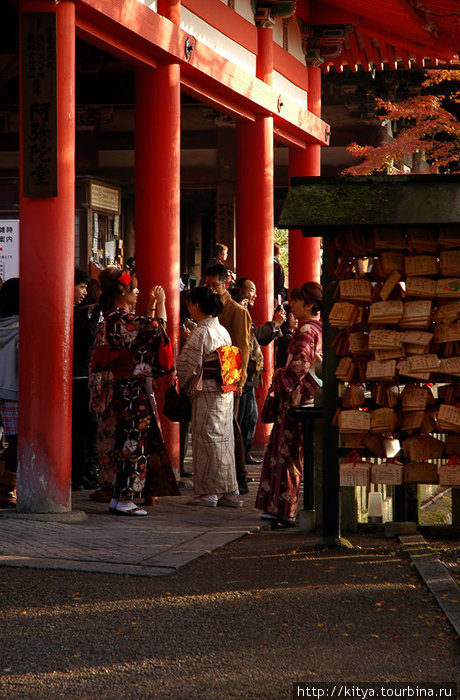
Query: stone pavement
91	539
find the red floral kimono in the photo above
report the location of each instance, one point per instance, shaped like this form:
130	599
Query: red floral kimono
278	492
132	454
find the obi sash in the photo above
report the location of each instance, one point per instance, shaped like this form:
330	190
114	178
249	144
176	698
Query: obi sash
224	365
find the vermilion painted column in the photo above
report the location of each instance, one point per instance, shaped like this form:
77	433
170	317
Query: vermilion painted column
157	215
47	281
169	9
254	211
304	253
254	228
264	64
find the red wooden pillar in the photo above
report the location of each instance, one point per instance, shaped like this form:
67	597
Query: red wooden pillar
47	282
157	214
254	211
304	253
254	228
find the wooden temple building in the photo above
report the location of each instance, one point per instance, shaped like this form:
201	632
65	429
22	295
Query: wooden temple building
155	127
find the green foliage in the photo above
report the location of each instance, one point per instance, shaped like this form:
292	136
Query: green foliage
281	236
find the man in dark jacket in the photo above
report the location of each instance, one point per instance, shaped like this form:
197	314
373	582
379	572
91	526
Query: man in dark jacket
260	335
84	428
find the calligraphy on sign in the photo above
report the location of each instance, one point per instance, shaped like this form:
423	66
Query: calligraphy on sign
9	248
39	103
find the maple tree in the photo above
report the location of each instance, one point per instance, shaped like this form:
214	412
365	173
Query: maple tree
427	123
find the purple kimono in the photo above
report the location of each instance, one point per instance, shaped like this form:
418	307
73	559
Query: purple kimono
278	492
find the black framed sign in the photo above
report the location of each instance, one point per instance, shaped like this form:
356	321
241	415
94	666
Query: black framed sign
39	104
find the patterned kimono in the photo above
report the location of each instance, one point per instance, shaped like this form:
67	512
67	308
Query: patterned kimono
212	412
278	492
132	454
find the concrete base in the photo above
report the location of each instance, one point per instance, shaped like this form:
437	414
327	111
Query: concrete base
72	516
307	520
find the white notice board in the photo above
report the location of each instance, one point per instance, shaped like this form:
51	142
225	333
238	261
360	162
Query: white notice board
9	248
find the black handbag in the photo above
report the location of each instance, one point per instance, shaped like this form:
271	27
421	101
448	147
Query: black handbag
177	406
270	408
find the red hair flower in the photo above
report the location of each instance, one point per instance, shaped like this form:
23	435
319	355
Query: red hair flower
125	278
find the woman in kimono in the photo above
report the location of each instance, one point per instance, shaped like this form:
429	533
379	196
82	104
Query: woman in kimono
212	408
278	492
125	359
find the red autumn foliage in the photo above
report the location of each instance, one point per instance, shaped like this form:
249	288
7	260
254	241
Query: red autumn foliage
426	123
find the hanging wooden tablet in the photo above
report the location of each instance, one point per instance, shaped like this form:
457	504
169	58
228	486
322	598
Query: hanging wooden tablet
414	398
343	314
386	312
447	334
450	366
354	421
420	473
423	447
375	443
381	371
419	265
449	263
389	262
412	420
346	370
421	287
359	343
448	418
383	420
389	284
448	312
416	314
421	338
354	471
448	287
384	339
388	472
389	354
449	472
357	289
387	239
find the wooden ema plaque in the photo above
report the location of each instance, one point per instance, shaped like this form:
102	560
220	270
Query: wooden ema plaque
387	473
421	473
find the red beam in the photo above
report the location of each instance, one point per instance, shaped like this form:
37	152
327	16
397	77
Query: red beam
444	50
118	45
214	99
357	51
371	52
205	69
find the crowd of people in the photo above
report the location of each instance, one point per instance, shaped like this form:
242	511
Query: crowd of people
118	448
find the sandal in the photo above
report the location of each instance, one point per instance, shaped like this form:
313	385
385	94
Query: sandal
113	506
230	502
132	509
276	521
203	501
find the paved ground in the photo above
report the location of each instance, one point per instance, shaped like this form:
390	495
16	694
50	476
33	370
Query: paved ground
244	620
172	535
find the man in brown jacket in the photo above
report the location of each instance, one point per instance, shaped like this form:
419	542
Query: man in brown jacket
238	322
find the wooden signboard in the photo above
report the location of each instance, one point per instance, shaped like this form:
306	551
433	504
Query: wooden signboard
39	104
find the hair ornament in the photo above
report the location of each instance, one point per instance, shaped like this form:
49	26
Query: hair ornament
125	278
